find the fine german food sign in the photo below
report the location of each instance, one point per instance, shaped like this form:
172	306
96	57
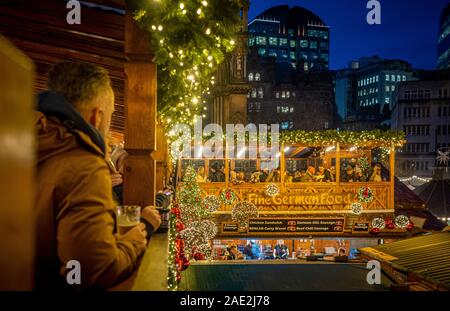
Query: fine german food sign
295	225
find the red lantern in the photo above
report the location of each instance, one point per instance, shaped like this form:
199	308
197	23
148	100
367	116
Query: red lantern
389	224
179	226
199	256
185	264
175	211
410	226
375	230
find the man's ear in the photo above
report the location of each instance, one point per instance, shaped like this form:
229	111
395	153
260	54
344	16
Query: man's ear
95	117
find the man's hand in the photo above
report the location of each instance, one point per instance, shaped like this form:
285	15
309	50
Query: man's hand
138	234
150	214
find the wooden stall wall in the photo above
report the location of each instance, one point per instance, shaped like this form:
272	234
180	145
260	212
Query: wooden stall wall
40	30
17	224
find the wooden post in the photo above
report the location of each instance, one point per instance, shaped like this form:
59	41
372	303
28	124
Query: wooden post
227	166
392	176
160	155
338	165
140	116
282	165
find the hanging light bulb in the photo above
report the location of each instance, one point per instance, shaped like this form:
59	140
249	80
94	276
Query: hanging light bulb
199	11
181	5
208	31
205	3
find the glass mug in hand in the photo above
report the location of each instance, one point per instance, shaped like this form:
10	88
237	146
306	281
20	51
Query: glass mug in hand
128	216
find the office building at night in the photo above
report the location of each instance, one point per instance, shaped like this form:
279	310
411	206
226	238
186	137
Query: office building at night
444	39
364	91
422	110
295	35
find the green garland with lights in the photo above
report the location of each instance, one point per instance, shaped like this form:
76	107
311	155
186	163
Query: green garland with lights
375	138
190	38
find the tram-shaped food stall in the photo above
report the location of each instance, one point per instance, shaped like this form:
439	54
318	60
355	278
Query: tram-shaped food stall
321	184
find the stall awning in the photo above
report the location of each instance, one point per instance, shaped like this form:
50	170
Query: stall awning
426	257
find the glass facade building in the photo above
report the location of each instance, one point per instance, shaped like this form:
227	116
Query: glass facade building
444	39
293	35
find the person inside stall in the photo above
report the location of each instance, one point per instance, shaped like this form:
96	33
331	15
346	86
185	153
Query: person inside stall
216	173
309	175
349	174
264	174
324	175
297	176
201	174
376	174
116	165
233	253
274	176
280	251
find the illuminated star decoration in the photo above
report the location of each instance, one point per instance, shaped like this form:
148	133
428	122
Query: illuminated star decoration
443	156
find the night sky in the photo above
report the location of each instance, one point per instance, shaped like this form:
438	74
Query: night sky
408	30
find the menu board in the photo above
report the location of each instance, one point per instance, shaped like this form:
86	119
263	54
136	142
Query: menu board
296	225
230	227
361	227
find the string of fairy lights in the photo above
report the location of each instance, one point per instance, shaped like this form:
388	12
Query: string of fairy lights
190	39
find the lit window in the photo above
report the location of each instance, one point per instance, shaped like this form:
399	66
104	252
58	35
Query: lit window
257	76
393	88
260	40
253	93
284	109
399	78
387	77
277	95
292	55
293	95
261	51
292	43
387	88
376	78
404	78
304	43
305	66
260	92
283	94
387	100
288	94
291	109
313	44
283	41
393	78
273	41
250	76
284	125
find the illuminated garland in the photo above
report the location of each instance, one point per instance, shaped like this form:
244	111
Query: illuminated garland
212	203
189	39
372	138
243	211
375	138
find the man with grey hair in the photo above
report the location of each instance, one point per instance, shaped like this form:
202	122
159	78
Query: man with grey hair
74	205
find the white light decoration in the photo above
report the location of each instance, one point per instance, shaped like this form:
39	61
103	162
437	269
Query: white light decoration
272	190
401	221
356	208
212	203
378	223
243	211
